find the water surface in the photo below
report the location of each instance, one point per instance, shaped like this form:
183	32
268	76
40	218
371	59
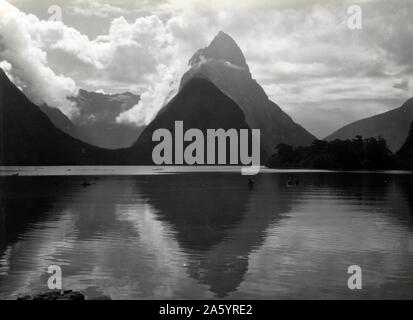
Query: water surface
201	235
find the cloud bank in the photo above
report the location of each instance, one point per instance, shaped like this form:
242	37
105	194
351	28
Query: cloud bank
141	56
302	52
27	61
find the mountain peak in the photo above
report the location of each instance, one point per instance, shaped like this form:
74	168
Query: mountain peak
408	103
224	36
3	77
223	47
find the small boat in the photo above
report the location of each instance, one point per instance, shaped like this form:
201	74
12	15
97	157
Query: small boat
250	184
290	182
85	184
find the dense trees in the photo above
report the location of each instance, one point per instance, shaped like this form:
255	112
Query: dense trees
355	154
404	156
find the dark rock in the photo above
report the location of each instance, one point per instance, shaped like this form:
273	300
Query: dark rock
61	295
55	295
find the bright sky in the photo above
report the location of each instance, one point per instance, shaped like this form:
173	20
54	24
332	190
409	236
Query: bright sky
303	53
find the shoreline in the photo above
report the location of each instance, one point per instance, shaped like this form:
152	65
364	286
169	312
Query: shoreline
20	171
60	295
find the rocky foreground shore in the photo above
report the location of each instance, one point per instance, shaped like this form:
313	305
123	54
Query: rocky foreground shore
61	295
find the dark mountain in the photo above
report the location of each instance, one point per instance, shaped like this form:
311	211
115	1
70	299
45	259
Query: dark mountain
96	121
60	120
199	104
405	154
223	63
222	48
392	125
28	137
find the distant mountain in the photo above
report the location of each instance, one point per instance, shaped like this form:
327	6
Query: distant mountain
199	104
224	64
405	154
28	137
96	122
392	125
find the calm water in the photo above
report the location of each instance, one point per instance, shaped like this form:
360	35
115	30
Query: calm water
205	235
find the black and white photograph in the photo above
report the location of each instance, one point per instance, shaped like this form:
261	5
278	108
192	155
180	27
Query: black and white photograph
206	150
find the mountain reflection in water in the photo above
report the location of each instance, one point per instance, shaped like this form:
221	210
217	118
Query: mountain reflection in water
206	235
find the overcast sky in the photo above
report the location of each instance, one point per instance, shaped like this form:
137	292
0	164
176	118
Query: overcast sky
303	53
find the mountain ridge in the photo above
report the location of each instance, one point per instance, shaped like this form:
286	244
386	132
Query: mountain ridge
223	47
392	125
28	137
200	104
227	69
95	123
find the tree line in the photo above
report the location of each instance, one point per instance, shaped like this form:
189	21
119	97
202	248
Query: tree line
350	154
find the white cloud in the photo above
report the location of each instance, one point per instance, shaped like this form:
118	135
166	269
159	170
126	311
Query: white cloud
164	81
6	66
90	8
141	54
29	61
300	51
